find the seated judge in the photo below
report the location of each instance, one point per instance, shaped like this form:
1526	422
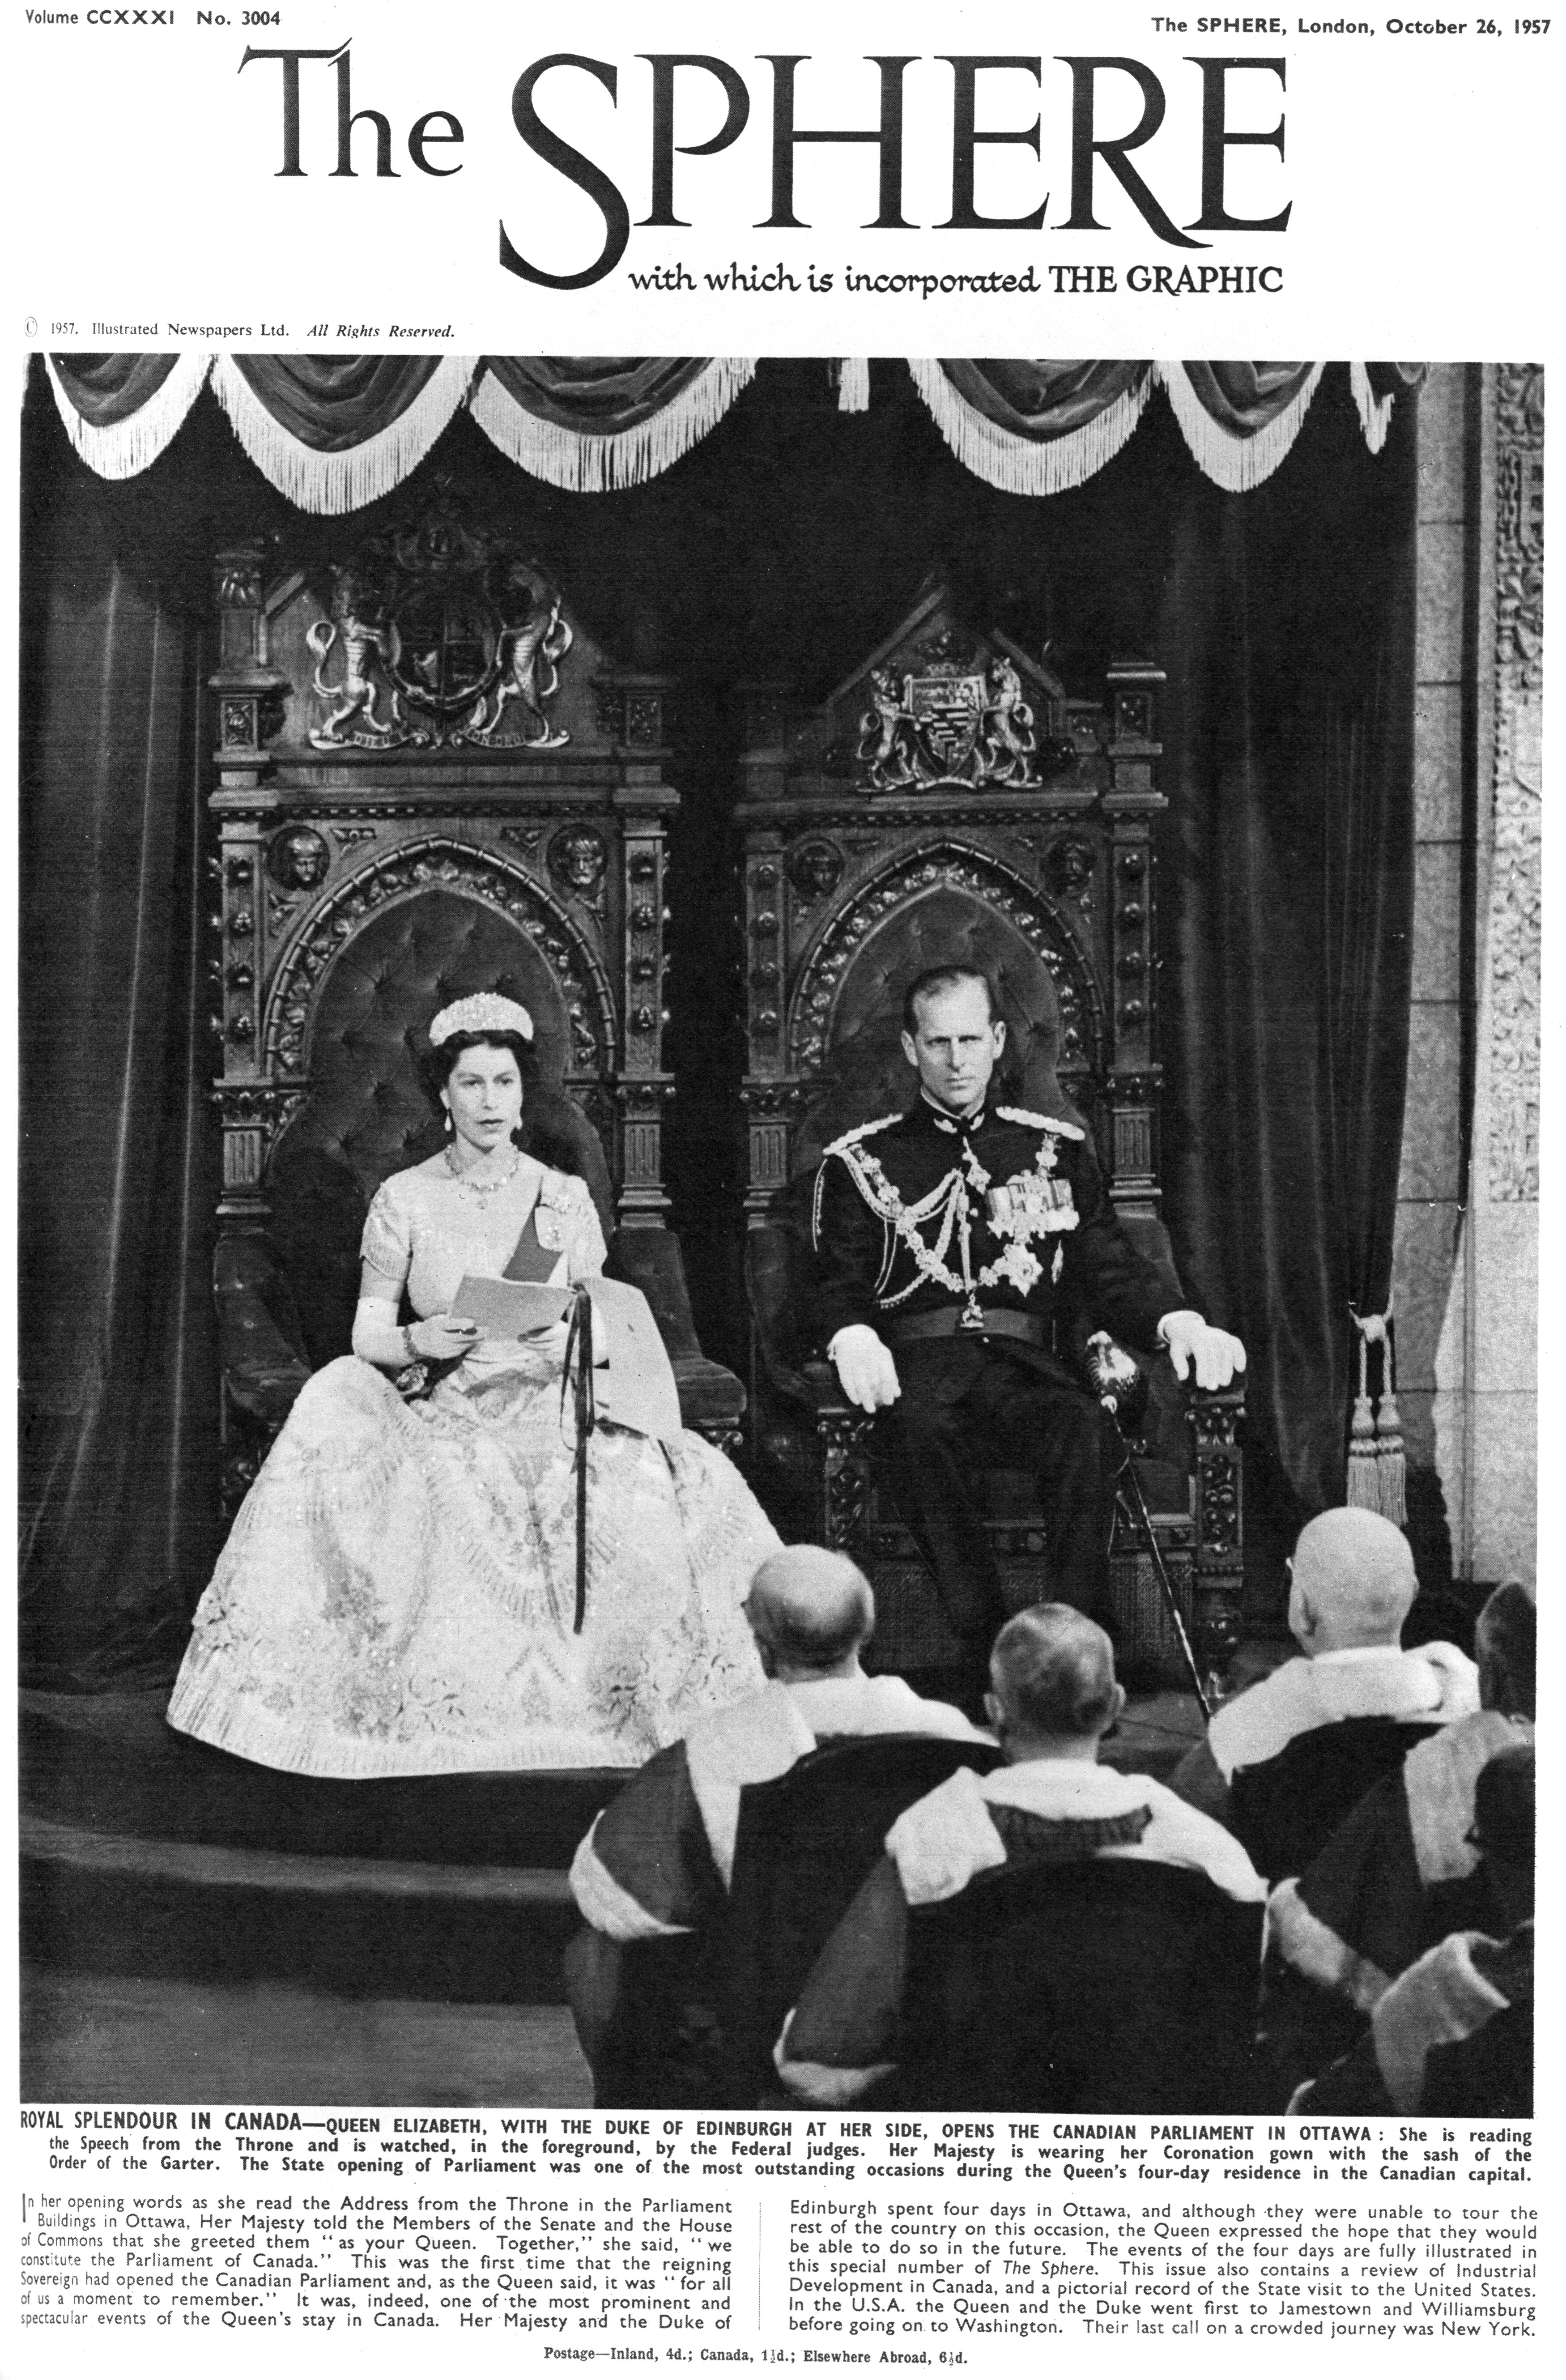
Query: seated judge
1401	1871
1454	2034
657	1863
948	1241
1284	1763
1052	1935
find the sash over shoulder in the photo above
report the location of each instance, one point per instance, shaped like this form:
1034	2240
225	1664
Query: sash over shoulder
567	1218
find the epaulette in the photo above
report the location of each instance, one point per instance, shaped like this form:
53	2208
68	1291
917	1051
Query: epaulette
861	1132
1042	1122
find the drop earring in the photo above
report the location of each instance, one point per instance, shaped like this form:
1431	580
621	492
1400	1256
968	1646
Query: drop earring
449	1125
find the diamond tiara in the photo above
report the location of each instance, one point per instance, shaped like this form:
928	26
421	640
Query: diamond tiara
483	1012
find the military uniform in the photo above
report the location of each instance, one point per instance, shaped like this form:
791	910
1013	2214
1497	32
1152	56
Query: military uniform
983	1250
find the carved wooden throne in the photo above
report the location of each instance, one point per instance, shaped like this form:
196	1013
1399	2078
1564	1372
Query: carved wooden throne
951	802
431	782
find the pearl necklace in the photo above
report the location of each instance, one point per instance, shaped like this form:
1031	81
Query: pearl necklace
482	1191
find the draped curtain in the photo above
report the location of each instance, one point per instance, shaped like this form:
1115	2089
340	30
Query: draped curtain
333	432
1287	913
117	1490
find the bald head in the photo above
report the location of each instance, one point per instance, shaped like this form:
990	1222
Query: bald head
1053	1676
809	1611
1354	1581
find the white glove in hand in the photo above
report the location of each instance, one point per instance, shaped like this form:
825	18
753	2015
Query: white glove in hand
1216	1355
440	1335
865	1366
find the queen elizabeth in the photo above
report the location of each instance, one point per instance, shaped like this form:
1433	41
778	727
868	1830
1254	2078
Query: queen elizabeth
396	1596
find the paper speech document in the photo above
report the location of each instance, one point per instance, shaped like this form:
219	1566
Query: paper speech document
510	1309
633	1380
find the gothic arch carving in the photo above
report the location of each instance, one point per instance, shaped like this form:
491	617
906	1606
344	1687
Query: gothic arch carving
1047	930
444	862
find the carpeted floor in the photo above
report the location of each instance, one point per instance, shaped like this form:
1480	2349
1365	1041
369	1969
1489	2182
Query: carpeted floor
123	2037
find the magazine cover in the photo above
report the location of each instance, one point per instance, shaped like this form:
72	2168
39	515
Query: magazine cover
777	1220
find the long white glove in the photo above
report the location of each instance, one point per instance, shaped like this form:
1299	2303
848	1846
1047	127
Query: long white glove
865	1366
1216	1355
378	1340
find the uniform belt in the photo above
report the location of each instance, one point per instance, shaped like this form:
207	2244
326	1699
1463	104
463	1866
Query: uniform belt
946	1322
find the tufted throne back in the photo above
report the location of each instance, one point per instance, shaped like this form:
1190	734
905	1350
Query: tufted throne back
431	782
863	1070
367	1112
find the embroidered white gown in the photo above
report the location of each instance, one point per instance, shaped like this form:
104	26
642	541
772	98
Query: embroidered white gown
397	1594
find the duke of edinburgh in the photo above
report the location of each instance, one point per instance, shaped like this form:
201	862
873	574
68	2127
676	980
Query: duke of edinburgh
959	1248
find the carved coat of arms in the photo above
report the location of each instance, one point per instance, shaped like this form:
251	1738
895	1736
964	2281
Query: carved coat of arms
948	723
437	635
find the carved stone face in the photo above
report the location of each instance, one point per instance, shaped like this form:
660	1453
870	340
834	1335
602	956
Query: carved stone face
1070	868
813	869
578	857
299	858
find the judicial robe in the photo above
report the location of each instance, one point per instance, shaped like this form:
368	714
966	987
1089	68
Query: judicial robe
1285	1762
652	1878
658	1861
1395	1878
1453	2036
1052	1935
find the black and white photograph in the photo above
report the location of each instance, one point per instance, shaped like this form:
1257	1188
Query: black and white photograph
779	1185
781	1083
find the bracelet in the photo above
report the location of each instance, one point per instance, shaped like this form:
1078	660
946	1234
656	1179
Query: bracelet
409	1350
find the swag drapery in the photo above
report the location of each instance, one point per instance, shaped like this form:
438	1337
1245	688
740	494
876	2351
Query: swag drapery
333	432
1283	618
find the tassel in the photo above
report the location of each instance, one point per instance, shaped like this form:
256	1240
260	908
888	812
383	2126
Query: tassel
854	384
592	462
1377	1465
1392	1467
1237	464
1027	467
1362	1490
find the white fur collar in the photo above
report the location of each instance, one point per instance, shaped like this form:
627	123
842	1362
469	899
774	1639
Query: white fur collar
942	1843
1435	1682
764	1735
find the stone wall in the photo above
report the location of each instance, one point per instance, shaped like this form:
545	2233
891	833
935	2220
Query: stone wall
1465	1270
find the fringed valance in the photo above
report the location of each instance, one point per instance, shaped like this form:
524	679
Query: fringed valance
1240	419
333	432
1034	427
121	412
595	422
